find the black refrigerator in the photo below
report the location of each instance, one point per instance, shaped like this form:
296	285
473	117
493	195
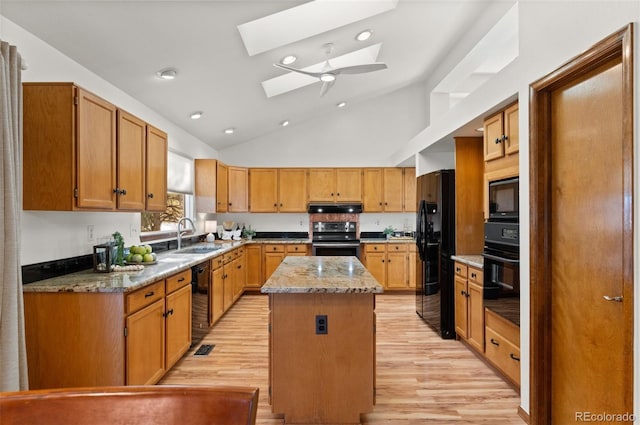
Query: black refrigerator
435	239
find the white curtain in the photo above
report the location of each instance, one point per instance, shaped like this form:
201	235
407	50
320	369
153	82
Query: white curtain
13	358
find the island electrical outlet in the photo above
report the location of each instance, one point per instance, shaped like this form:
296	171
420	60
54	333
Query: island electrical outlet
322	326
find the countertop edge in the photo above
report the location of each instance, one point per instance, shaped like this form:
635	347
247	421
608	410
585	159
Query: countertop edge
470	260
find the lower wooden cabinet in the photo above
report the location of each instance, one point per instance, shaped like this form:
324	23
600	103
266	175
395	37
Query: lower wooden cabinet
228	278
253	268
392	264
146	345
178	306
275	253
503	345
469	311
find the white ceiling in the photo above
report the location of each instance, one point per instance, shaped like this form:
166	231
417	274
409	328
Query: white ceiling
127	42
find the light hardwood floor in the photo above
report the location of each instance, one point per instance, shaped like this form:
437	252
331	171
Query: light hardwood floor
421	379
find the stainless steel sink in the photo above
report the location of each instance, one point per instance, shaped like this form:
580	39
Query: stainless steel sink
198	249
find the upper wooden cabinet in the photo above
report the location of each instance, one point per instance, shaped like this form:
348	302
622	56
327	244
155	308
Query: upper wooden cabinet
335	185
222	187
410	198
277	190
79	154
238	189
384	190
501	138
156	169
205	177
469	196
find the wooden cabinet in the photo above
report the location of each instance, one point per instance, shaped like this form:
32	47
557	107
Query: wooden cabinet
146	345
178	316
501	138
410	196
414	261
222	187
469	312
503	345
239	272
469	196
238	191
335	185
392	264
79	153
227	280
156	170
277	190
205	188
253	256
216	301
275	253
384	190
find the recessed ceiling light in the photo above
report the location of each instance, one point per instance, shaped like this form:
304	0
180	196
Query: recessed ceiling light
288	60
284	123
196	115
327	77
480	129
229	130
167	74
341	104
364	35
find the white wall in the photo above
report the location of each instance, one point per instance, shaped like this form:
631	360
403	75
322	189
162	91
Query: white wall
54	235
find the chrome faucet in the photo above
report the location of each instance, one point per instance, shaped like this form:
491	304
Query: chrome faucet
180	233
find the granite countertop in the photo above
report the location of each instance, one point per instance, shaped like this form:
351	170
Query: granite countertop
321	275
400	239
470	260
279	240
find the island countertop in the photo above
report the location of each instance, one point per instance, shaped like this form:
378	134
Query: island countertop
340	275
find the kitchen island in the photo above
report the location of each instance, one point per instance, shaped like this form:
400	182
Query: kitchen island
322	340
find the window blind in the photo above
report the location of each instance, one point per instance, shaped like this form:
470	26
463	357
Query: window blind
179	173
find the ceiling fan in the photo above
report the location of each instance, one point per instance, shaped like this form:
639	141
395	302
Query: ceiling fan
328	74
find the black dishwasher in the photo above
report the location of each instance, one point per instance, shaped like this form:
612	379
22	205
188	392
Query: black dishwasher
200	291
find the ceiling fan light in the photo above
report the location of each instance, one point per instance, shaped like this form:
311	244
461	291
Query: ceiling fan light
196	115
288	60
364	35
167	74
327	77
229	130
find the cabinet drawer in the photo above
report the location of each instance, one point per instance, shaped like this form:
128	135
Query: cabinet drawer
475	275
503	354
178	280
374	247
502	326
396	247
228	257
460	269
145	296
297	249
274	248
216	262
413	247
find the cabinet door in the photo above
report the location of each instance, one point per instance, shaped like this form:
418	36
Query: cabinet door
238	189
271	262
253	256
263	190
239	276
178	324
156	169
321	184
348	185
493	144
410	196
222	187
511	130
460	285
228	283
292	190
372	195
217	294
131	151
475	328
393	180
376	264
413	266
146	345
205	171
397	270
95	152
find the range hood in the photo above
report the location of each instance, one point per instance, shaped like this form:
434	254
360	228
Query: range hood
335	208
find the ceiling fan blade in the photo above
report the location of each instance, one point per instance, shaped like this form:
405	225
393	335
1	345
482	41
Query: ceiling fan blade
326	86
300	71
360	69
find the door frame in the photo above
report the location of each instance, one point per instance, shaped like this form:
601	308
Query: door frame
617	45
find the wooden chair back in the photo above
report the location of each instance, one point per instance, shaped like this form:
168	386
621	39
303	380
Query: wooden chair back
167	405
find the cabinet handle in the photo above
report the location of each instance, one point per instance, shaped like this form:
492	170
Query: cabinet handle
281	204
182	278
615	299
494	342
149	294
389	260
338	193
275	205
463	293
516	358
458	270
380	204
118	191
473	275
331	193
497	141
150	196
168	313
504	137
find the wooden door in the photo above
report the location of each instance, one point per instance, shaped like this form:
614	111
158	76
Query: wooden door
271	262
131	151
239	276
413	266
238	189
228	284
581	227
253	255
205	171
263	190
376	264
511	130
222	187
475	316
292	190
461	308
393	182
146	345
156	169
321	184
95	152
397	269
409	192
372	194
178	324
493	146
217	295
348	185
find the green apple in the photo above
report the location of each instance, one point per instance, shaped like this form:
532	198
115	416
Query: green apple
136	258
148	258
148	249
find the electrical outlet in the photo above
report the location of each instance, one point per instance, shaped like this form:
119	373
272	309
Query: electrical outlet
322	325
133	231
90	235
377	222
301	223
